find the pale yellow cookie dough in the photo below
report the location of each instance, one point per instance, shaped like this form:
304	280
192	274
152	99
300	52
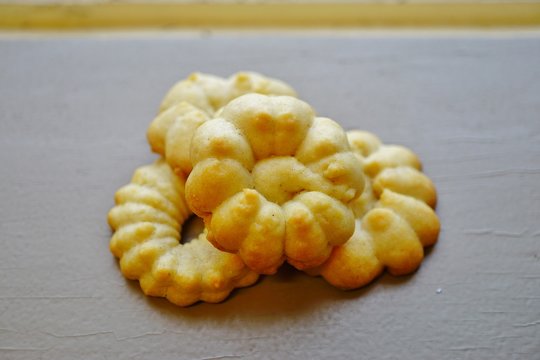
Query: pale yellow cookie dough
147	221
395	217
274	182
195	100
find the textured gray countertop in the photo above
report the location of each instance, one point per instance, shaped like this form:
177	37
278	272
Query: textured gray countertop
73	116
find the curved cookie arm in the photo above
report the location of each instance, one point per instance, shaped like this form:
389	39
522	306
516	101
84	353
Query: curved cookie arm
395	217
193	101
147	221
273	182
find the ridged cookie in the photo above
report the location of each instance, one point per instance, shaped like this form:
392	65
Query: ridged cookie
274	182
147	221
395	217
192	101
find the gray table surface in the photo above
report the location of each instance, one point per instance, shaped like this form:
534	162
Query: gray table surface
73	116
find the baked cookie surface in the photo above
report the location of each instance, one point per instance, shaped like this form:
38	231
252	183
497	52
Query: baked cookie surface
147	222
274	182
395	216
195	100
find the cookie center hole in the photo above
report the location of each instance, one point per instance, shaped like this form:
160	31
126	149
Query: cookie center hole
193	226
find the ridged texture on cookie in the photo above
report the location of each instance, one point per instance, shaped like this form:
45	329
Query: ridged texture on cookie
192	101
395	216
147	221
274	182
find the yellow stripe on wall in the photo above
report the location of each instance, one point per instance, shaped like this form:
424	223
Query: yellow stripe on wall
137	15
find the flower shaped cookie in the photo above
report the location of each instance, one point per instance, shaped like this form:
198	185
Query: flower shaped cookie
147	220
191	102
274	182
395	217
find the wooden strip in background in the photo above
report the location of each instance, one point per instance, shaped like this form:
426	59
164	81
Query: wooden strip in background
267	15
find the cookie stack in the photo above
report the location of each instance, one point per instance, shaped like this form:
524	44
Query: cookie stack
273	183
